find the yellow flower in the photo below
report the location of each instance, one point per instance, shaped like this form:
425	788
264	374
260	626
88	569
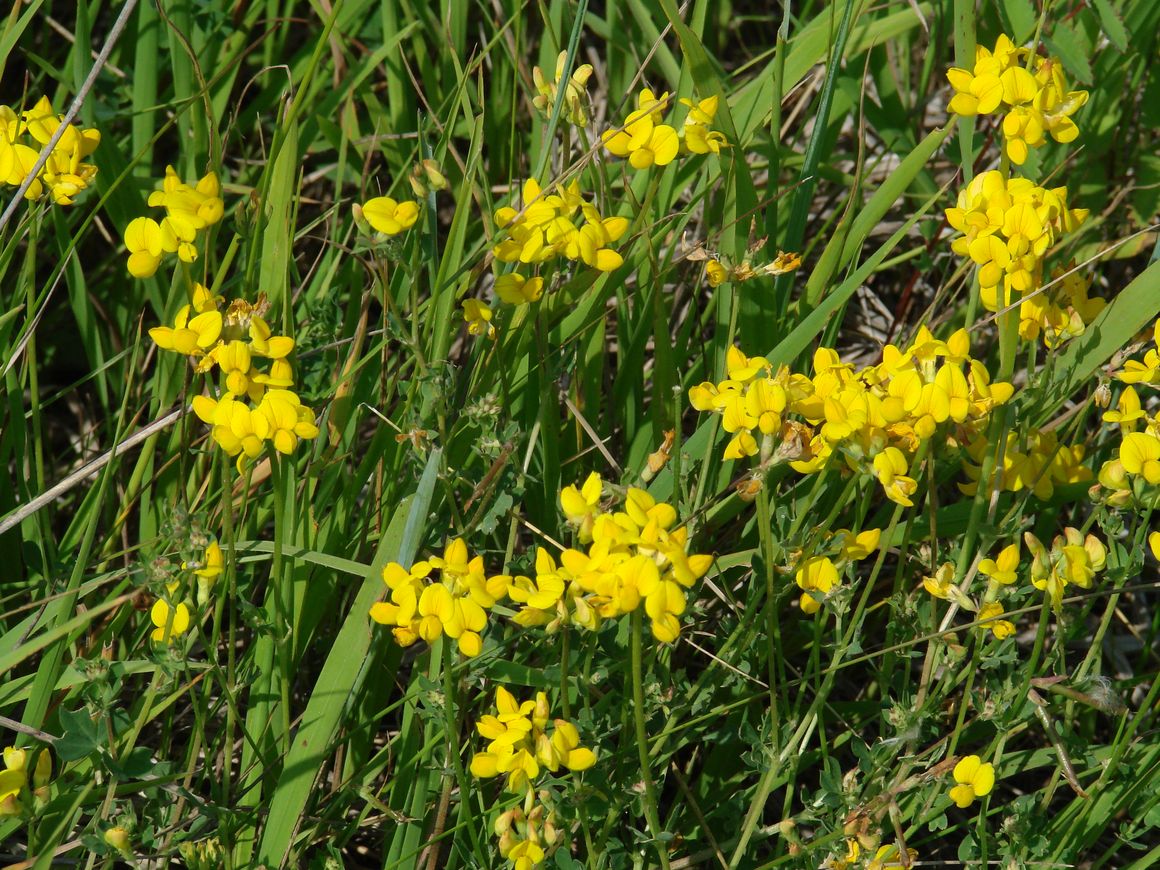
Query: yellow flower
716	273
817	574
699	139
169	621
890	858
515	289
1073	559
941	583
1140	455
643	139
147	240
890	468
1002	570
64	174
520	744
16	776
974	777
581	506
855	548
1129	412
117	838
189	336
478	318
288	419
980	91
455	605
189	208
989	613
390	216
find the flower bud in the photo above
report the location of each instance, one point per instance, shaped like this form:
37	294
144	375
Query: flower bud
118	838
435	178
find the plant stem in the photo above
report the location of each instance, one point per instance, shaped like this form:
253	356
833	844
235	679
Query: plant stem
638	717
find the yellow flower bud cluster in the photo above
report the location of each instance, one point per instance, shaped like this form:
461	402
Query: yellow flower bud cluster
448	595
1034	97
575	108
65	174
523	739
546	227
1060	312
232	340
1008	224
1034	461
205	854
189	209
873	419
17	780
645	140
529	833
636	556
818	575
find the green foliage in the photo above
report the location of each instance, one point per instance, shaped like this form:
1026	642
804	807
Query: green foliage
284	727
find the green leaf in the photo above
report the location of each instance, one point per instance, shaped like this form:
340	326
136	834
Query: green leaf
842	247
1112	26
1072	49
1021	18
341	677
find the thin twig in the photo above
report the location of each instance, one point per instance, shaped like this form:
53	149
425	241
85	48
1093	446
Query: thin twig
49	495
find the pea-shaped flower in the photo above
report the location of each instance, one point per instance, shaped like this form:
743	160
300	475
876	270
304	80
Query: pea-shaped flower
974	778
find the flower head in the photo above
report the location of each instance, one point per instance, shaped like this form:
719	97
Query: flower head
974	778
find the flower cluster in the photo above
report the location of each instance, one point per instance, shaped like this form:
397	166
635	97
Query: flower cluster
523	740
645	140
635	556
1074	559
232	340
189	209
546	227
887	857
575	108
1061	310
818	575
872	419
718	270
520	742
1035	461
1000	573
1030	89
455	602
529	833
1008	224
65	174
1133	473
16	779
